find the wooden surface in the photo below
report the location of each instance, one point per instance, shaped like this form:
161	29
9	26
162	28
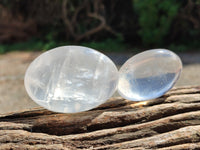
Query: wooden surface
169	122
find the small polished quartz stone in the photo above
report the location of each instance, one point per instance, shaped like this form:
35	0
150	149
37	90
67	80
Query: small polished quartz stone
71	79
149	74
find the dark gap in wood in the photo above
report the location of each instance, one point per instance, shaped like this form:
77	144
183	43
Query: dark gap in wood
64	129
27	114
183	141
123	123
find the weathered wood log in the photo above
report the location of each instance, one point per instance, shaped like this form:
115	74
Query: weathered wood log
169	122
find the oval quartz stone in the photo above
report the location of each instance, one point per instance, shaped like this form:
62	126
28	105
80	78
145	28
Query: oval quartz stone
71	79
149	74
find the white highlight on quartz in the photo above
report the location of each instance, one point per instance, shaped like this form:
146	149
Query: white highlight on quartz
149	74
71	79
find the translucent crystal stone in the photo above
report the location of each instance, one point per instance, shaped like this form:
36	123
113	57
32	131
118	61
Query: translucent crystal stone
149	74
71	79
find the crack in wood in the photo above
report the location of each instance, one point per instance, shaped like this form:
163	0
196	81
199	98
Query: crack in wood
169	122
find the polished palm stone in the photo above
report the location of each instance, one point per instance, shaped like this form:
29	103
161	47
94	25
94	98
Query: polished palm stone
149	74
71	79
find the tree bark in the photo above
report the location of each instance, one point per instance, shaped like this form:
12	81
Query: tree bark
169	122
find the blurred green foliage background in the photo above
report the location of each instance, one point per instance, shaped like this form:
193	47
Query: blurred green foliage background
108	25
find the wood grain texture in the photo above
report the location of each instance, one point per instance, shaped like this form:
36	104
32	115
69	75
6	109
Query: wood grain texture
169	122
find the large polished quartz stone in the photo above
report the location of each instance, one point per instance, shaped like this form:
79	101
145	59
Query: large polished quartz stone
149	74
71	79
